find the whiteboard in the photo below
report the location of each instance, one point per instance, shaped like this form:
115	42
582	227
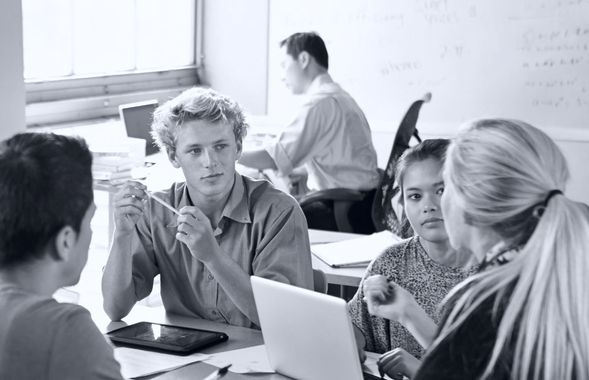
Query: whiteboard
525	59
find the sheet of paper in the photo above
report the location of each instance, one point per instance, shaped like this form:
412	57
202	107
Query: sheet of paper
369	364
137	363
244	360
323	236
358	251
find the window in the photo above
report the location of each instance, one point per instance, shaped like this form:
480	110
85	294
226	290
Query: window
82	58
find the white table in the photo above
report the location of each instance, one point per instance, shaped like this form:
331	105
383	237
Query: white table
338	276
239	337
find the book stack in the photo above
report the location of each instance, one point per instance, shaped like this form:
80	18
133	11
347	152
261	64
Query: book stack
115	167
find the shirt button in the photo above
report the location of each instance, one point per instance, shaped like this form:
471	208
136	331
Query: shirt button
214	312
210	277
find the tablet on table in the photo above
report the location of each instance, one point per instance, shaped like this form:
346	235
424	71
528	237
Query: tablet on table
166	338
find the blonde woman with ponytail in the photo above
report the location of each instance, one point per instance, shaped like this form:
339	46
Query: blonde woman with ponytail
525	315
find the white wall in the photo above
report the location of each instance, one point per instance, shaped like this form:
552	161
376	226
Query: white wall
12	89
577	155
235	50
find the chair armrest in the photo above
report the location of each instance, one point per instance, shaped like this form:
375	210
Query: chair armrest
338	194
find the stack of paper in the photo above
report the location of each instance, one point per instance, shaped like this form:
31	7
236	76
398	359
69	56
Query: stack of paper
115	161
111	167
354	252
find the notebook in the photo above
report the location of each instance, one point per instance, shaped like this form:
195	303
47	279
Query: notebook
355	252
308	335
137	118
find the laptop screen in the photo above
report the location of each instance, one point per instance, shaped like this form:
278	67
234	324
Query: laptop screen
308	335
137	118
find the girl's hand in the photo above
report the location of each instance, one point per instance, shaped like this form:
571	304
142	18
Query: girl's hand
386	299
377	289
398	364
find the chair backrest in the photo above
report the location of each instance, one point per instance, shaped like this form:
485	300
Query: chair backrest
319	281
383	214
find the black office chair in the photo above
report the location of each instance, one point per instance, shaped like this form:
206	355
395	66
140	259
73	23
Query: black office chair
339	209
347	210
384	216
319	281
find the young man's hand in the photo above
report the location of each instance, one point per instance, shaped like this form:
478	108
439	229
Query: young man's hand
194	230
129	204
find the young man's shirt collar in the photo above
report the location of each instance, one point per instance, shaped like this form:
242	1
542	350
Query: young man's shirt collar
237	204
236	207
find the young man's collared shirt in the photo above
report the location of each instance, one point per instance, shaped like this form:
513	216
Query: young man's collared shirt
261	228
331	137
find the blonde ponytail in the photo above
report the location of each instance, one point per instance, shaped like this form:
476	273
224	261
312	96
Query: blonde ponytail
544	324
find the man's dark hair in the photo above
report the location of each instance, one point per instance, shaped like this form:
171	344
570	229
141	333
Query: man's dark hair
309	42
45	185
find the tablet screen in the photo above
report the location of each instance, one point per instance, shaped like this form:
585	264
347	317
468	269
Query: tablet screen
175	339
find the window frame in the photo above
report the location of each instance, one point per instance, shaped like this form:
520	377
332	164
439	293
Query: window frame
61	100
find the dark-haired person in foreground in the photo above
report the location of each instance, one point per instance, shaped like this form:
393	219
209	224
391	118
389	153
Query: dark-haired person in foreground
329	137
46	203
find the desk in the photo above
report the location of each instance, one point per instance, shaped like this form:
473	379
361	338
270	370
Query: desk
337	276
239	337
340	276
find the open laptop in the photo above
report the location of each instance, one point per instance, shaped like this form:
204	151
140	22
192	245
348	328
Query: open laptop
308	335
137	118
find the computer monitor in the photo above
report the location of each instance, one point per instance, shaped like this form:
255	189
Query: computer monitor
137	118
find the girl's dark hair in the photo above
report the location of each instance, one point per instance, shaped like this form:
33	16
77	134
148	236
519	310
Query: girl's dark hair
431	148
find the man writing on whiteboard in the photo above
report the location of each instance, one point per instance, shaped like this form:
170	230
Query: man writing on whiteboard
330	137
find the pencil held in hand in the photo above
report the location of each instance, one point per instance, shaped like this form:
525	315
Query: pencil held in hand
163	203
